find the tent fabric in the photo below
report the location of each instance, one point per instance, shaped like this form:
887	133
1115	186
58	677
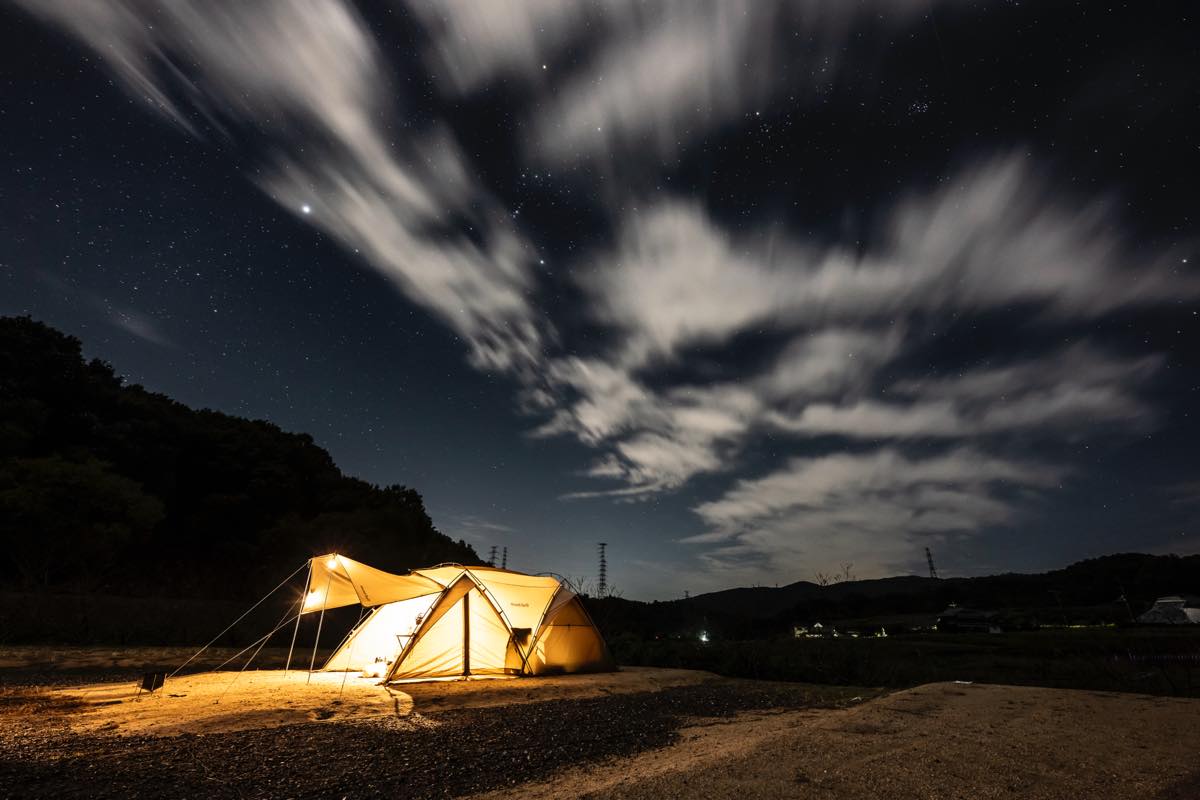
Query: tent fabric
377	638
455	621
568	641
335	581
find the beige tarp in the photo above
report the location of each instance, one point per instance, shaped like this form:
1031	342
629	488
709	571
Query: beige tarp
451	621
335	581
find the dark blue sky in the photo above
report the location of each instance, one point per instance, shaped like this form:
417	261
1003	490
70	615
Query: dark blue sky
747	291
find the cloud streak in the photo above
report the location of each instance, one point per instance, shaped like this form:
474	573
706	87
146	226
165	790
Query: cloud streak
995	238
826	509
637	80
307	76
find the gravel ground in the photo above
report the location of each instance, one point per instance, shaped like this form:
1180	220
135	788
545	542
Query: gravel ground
442	754
940	741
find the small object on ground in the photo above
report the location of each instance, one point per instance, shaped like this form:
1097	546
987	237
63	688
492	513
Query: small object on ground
152	681
964	683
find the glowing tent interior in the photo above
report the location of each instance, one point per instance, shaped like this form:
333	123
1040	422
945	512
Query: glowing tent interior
456	621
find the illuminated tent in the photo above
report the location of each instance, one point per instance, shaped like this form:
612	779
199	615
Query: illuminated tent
1173	610
455	621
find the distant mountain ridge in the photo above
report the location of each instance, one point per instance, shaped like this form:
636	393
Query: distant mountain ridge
1108	589
767	601
1139	577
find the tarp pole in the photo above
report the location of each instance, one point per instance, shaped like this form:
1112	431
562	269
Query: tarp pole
320	622
296	630
350	655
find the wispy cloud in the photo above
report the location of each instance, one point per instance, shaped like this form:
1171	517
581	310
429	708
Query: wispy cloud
823	510
137	323
644	80
1076	391
140	325
307	76
995	238
476	530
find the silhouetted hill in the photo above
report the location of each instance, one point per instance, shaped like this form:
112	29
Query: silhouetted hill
110	488
761	602
1106	589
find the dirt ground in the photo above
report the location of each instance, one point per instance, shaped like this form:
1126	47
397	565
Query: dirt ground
935	741
220	702
638	733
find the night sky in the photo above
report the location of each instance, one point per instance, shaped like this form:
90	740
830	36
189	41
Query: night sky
747	290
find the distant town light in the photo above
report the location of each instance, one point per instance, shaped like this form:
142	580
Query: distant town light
704	636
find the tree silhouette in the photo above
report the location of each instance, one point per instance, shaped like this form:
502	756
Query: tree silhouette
108	487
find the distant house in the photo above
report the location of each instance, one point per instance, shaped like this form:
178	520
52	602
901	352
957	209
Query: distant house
957	619
1173	610
817	631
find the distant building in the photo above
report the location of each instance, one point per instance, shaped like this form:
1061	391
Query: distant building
817	631
1173	610
957	619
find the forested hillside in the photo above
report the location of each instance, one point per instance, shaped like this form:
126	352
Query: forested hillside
108	488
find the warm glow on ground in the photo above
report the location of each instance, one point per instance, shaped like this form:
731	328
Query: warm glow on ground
207	703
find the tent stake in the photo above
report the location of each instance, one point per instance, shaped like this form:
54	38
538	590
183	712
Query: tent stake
320	622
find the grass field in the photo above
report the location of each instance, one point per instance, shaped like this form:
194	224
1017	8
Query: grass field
1160	661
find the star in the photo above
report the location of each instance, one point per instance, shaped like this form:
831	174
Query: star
306	208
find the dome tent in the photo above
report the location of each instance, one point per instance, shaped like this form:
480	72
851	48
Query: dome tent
455	621
1173	610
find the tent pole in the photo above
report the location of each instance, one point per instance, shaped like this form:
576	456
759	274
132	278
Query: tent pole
320	622
296	630
350	655
467	635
